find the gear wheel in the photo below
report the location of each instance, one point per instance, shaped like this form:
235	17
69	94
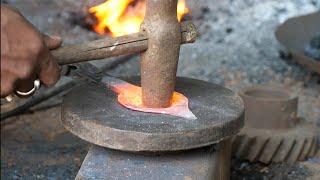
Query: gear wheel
273	132
276	145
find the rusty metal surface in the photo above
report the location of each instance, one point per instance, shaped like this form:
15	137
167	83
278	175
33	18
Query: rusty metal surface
93	113
296	33
270	106
273	132
159	63
207	163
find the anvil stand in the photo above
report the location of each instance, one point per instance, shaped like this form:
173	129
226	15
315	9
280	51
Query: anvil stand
154	146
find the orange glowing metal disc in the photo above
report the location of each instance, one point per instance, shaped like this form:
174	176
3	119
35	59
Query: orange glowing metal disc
130	96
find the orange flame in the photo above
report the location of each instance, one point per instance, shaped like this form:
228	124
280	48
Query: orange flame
123	17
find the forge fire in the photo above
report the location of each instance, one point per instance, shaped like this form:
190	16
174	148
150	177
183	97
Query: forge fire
121	17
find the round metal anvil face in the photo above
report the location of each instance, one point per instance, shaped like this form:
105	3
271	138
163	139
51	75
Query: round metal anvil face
93	113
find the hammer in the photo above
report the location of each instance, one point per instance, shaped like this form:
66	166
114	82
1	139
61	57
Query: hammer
158	42
115	46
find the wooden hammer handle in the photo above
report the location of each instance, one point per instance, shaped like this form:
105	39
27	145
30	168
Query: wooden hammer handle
110	47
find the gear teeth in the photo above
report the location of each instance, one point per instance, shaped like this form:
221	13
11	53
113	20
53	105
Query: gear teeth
283	150
282	145
313	148
296	150
270	149
306	149
257	148
250	150
242	152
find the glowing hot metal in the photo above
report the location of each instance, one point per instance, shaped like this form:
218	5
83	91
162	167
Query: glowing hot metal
130	96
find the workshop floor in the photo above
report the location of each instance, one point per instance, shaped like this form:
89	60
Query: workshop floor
36	146
236	48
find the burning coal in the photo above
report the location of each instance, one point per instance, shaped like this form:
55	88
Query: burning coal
121	17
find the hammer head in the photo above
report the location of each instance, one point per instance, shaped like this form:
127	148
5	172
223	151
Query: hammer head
159	62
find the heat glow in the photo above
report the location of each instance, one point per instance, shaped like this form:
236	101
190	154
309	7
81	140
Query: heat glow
121	17
132	95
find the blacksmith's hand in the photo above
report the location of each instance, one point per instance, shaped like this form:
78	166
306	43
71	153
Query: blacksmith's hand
25	54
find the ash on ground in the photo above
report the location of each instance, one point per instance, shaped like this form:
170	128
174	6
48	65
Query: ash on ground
236	48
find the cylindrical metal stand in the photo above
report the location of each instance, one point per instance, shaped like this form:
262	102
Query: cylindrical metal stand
270	107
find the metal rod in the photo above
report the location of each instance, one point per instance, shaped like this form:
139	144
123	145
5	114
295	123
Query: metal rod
159	62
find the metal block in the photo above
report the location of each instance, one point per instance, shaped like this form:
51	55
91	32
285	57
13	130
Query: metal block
212	162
